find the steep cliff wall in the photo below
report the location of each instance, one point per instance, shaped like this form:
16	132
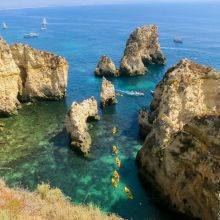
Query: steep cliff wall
181	153
27	74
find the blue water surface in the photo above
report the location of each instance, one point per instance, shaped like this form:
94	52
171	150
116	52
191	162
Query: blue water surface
34	146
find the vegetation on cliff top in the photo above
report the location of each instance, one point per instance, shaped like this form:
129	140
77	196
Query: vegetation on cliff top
44	203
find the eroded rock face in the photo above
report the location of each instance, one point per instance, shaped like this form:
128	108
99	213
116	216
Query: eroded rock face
142	48
181	153
143	120
43	74
76	123
108	96
27	74
10	82
106	67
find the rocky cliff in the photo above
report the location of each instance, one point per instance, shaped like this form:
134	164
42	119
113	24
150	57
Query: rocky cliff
181	153
10	82
142	48
107	94
43	74
27	74
76	123
106	67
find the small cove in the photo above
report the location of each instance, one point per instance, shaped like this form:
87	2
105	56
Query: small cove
34	146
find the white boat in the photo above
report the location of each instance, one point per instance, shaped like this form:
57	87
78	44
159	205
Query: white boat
44	24
4	25
31	35
178	40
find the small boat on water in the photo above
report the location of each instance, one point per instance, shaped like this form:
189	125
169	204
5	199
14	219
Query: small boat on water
114	130
4	25
44	24
31	35
178	40
128	193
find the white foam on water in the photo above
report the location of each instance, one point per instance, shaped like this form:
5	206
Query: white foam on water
132	93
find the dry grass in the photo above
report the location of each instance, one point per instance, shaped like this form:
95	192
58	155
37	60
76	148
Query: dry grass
44	204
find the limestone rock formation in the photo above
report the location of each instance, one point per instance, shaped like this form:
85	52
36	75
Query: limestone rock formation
76	123
142	48
181	153
43	74
143	121
107	93
10	83
106	67
27	74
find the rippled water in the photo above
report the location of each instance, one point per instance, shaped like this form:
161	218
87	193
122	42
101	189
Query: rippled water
34	146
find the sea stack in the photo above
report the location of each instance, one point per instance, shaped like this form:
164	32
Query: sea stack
76	123
106	67
142	48
27	74
108	96
181	153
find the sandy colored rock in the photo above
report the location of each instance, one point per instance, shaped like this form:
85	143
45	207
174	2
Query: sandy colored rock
181	153
108	96
76	123
106	67
27	74
10	82
142	48
43	74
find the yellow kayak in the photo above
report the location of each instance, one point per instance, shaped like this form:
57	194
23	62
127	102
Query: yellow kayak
114	182
114	130
115	179
117	161
116	175
115	149
128	193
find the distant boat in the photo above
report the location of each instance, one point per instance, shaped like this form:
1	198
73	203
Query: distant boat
44	24
178	40
4	25
31	35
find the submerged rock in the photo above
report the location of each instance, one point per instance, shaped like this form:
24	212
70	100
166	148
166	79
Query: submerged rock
142	48
181	153
106	67
108	96
76	123
27	74
10	82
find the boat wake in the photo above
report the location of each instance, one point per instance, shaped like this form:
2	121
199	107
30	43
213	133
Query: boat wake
132	93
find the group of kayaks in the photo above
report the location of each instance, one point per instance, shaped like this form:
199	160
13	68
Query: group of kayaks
116	176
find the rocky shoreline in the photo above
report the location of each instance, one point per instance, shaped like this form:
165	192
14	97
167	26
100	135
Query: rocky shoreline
27	74
180	155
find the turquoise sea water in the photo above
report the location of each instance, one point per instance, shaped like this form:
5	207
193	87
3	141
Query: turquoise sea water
34	146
